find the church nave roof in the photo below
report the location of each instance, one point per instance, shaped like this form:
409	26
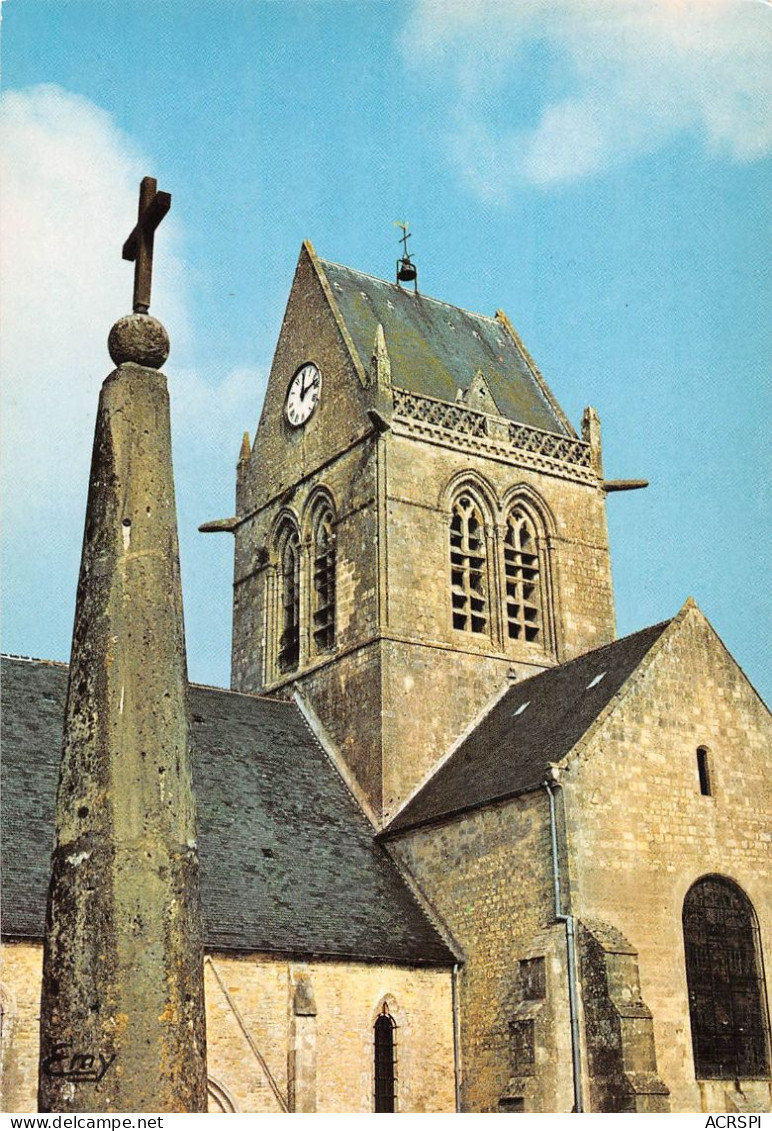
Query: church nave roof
288	861
536	722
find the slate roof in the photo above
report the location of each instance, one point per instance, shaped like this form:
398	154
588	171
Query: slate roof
288	861
435	349
510	750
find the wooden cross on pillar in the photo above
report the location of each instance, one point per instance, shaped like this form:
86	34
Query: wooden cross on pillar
153	206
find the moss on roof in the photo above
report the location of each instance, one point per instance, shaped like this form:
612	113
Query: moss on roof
436	349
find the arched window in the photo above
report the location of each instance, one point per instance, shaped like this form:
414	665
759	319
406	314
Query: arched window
323	551
218	1097
703	771
289	597
522	581
385	1060
727	1006
469	599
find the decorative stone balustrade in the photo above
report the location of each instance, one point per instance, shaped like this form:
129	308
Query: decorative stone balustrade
482	432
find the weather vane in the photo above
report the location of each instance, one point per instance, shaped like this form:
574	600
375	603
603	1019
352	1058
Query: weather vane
407	272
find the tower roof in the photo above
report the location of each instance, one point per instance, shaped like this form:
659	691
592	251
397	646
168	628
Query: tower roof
436	349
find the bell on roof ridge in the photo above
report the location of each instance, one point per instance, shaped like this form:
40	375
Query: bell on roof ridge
407	272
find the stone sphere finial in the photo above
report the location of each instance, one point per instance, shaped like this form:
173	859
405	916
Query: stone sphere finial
139	338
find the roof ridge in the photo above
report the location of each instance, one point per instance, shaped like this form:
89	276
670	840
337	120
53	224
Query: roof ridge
450	795
641	668
330	752
243	694
596	651
34	660
191	682
420	294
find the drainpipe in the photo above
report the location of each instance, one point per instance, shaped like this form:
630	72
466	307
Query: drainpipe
570	923
456	1037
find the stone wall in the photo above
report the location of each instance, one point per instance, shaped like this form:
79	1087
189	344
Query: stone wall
22	975
423	478
436	678
489	876
265	1048
641	832
636	833
286	465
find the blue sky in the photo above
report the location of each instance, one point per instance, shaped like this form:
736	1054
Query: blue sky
599	169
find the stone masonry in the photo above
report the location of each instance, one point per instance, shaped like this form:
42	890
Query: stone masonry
402	683
251	1003
635	833
122	1016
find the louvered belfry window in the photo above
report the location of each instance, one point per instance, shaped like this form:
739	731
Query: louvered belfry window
467	567
324	583
727	1005
289	576
522	601
385	1076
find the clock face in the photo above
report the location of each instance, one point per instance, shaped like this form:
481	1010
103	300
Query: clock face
303	394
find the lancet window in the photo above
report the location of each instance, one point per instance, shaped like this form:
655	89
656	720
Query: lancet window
522	598
468	582
323	553
385	1062
289	597
727	1005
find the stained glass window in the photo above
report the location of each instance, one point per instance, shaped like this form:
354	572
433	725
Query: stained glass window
730	1027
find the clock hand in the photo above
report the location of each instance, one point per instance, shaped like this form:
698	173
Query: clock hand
311	385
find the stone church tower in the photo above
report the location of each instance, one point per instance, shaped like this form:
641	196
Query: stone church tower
417	521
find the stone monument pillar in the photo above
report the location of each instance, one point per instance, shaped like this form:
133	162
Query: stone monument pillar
122	1014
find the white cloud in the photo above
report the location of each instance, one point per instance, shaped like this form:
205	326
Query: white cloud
640	72
69	194
70	180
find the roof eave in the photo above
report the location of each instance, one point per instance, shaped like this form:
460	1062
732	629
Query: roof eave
335	310
533	368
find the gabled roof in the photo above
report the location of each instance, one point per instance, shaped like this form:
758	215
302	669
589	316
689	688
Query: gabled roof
436	349
535	723
288	861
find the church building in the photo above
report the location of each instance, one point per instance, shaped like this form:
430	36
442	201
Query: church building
462	848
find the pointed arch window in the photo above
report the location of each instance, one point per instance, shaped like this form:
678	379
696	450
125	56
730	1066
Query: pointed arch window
469	598
522	578
727	1004
323	551
289	597
385	1062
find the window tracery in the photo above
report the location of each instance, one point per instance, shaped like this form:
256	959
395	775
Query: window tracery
289	597
468	583
522	582
323	551
727	1006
